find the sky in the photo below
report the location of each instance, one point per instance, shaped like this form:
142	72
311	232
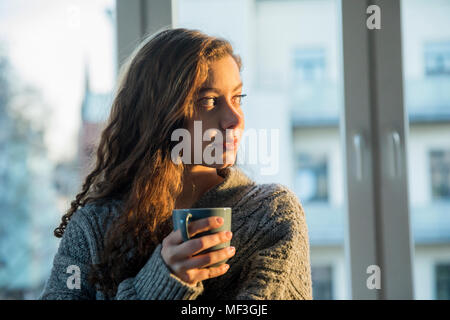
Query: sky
48	43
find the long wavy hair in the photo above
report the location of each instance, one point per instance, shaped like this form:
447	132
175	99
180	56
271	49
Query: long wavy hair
155	95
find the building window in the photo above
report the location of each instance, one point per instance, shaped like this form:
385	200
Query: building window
437	59
440	174
442	272
309	64
322	282
311	180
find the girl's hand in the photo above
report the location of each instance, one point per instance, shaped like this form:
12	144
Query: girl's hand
178	255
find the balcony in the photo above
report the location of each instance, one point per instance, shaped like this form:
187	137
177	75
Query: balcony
427	100
430	224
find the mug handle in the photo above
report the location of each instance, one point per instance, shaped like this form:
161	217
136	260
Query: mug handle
184	229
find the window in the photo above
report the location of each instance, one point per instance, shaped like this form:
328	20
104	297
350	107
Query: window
440	174
322	281
311	180
309	64
437	59
442	272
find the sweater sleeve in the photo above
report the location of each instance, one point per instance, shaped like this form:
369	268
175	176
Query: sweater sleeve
69	275
156	282
279	269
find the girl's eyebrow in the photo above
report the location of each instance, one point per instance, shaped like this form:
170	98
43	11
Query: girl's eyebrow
203	89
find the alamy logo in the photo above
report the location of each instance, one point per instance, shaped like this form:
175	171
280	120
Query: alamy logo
74	280
374	280
374	20
257	147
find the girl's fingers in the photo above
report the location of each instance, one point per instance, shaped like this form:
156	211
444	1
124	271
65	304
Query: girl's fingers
194	228
190	248
193	276
202	225
207	259
213	272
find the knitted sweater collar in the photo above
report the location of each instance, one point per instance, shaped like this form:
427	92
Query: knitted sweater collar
228	192
225	194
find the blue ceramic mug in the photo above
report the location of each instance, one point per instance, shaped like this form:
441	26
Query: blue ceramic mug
182	217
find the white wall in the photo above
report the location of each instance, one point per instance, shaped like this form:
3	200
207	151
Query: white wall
268	111
284	25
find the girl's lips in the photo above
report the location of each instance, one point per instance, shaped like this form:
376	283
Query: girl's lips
231	145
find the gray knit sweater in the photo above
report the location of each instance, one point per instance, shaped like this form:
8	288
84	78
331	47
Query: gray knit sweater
269	233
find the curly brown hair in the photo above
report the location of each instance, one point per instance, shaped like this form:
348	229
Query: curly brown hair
156	94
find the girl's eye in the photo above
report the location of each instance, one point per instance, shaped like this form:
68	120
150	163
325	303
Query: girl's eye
211	102
238	99
208	102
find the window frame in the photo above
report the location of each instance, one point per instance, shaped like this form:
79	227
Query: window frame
375	129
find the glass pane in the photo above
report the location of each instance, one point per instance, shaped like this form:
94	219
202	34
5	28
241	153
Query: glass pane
57	71
426	67
291	76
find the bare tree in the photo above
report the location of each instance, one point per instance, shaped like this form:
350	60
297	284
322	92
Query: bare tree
25	187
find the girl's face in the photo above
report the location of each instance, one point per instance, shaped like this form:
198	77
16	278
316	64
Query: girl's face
218	107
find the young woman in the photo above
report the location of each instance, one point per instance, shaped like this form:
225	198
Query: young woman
117	238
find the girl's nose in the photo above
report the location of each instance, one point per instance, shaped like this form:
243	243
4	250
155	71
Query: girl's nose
232	116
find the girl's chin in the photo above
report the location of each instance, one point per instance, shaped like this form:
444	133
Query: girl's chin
228	159
226	163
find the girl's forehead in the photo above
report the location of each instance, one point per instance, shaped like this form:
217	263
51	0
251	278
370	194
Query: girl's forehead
222	73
